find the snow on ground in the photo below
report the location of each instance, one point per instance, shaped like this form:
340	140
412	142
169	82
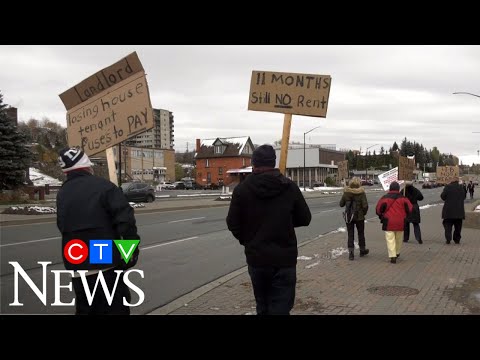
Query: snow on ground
477	209
40	179
134	205
30	210
304	258
428	205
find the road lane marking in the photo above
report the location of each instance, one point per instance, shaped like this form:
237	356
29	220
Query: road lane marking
31	241
174	221
168	243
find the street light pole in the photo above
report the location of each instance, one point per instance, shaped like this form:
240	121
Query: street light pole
304	146
466	93
366	170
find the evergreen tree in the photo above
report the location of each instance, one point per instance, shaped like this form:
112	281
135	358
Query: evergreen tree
14	156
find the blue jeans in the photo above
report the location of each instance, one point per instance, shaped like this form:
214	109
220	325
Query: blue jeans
274	289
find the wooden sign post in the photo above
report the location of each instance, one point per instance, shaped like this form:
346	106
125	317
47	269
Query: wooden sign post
107	108
289	93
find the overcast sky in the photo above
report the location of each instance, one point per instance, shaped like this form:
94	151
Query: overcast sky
379	94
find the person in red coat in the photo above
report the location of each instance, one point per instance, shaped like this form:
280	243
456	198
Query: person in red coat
392	209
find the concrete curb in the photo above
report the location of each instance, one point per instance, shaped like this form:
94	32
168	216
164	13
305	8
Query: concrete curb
195	294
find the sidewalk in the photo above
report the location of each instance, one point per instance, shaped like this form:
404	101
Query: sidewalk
432	278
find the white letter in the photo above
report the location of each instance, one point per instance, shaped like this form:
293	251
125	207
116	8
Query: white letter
57	274
104	286
19	270
70	251
135	288
100	245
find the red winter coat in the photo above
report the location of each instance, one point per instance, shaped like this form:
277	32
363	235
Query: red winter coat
392	209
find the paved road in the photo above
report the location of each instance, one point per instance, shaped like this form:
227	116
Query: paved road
181	251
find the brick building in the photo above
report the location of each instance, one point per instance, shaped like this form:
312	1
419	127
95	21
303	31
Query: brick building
214	157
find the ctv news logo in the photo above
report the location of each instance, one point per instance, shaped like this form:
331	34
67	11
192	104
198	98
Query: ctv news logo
76	252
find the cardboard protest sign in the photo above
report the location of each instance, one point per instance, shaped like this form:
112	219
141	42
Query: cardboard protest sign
102	80
289	93
342	170
447	174
405	168
114	115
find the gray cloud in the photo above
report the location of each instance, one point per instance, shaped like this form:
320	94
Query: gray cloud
379	94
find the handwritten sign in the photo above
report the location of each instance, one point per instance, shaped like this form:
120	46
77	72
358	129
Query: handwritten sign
289	93
112	116
101	81
405	168
447	174
342	170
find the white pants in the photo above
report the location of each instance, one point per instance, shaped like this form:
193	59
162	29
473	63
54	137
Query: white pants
394	242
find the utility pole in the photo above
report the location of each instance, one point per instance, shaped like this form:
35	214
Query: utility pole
142	161
119	164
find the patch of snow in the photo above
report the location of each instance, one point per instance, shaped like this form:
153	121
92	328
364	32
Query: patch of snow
40	179
215	308
477	209
312	265
250	313
335	253
134	205
427	206
304	258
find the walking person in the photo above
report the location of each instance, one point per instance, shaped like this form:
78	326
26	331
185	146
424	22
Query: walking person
355	202
264	210
92	208
453	212
392	209
414	195
470	188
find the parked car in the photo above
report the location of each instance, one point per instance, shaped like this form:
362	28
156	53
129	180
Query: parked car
163	185
211	187
179	185
190	185
138	191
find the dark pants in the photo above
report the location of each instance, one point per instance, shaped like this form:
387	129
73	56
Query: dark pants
274	289
416	231
361	234
100	304
471	194
448	224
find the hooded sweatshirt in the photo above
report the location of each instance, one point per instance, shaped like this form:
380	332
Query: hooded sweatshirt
265	209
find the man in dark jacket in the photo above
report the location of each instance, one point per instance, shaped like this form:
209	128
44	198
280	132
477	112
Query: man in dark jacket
392	209
354	196
92	208
453	211
265	209
414	195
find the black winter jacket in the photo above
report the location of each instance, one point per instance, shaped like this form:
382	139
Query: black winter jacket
454	197
414	195
92	208
265	209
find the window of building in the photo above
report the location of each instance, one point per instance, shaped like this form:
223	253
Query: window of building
218	149
207	163
209	178
220	171
243	161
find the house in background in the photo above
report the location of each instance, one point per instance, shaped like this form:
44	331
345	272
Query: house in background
214	157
